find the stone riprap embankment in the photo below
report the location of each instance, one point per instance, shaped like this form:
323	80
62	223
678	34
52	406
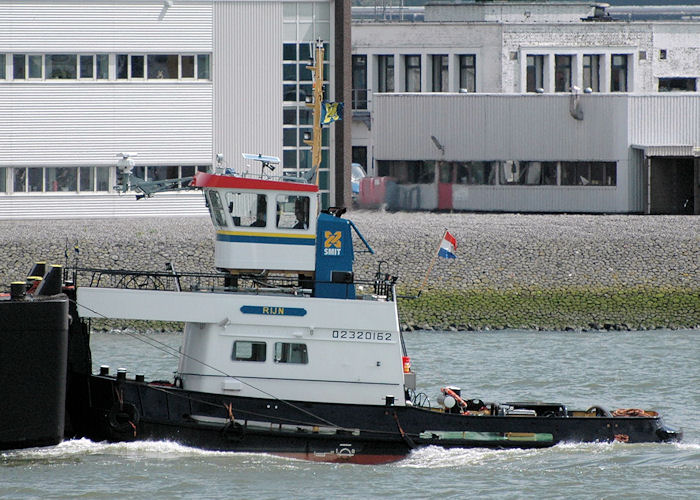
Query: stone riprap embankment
512	271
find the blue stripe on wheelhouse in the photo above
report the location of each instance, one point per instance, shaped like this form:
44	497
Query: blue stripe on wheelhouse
272	240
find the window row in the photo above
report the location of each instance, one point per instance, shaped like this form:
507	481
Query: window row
385	75
80	179
105	67
251	210
565	69
503	173
284	352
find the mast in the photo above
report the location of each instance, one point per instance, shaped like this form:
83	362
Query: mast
315	104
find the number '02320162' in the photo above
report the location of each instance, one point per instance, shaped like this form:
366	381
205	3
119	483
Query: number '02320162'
361	335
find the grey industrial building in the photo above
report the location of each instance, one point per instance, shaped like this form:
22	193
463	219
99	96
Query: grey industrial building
530	107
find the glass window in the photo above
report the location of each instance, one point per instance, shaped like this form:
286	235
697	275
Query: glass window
440	73
287	352
535	73
20	183
203	72
528	173
162	66
359	82
289	92
187	66
467	72
591	72
386	73
216	210
476	173
562	73
87	66
19	67
588	173
61	67
102	179
35	66
247	209
102	66
122	66
289	116
137	66
35	181
289	159
3	179
245	350
289	72
86	177
292	212
412	73
289	137
677	84
61	179
618	73
2	67
289	51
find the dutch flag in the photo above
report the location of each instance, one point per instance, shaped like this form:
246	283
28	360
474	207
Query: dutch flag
448	246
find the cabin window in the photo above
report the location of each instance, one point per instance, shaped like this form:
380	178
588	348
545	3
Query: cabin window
246	350
286	352
247	209
292	212
216	209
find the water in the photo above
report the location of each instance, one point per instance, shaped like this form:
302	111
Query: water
657	370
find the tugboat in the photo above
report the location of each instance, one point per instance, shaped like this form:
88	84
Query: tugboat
286	351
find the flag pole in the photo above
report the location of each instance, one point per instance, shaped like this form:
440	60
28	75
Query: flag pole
432	263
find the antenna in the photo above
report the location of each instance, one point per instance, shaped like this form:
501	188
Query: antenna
266	161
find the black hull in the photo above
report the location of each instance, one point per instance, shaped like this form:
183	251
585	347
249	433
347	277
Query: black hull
125	410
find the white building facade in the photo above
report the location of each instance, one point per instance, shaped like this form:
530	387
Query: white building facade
176	82
525	106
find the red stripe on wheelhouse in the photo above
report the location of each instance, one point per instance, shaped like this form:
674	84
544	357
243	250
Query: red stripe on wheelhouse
202	179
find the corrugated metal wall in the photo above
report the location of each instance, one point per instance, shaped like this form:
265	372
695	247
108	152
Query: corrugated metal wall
248	74
92	206
88	123
665	120
499	127
94	26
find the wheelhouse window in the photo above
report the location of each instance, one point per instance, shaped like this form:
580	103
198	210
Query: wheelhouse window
467	72
412	73
245	350
562	73
591	72
359	82
535	73
216	209
292	212
385	66
618	73
286	352
677	84
247	209
440	73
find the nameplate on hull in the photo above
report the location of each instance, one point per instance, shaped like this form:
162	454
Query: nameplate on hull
274	310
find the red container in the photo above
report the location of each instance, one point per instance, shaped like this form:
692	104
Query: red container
406	361
373	191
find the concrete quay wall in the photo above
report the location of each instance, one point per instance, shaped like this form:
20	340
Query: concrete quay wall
564	272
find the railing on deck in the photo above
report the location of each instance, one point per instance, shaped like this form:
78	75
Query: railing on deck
382	287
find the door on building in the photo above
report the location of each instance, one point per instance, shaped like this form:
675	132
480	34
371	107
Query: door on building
446	178
359	155
672	186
